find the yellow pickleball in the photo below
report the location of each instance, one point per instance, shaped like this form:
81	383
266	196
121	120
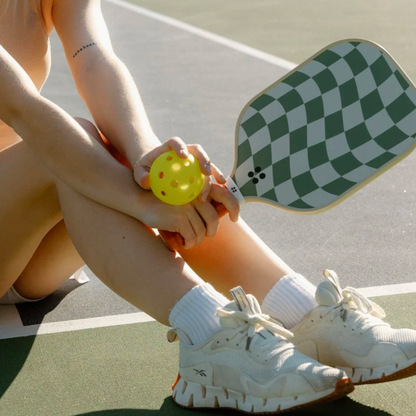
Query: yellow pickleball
174	180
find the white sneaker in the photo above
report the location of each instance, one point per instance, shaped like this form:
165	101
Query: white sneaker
250	366
346	331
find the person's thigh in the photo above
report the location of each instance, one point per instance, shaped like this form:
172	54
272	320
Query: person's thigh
29	208
36	250
54	261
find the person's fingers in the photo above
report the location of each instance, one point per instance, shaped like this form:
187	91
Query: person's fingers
141	176
203	195
142	168
176	144
188	234
209	216
199	153
218	175
198	227
224	196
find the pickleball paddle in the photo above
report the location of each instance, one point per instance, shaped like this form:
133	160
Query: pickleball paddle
323	131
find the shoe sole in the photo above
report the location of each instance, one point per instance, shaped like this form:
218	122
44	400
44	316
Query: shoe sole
383	374
194	395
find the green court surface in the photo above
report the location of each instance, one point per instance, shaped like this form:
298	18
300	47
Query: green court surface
295	30
128	370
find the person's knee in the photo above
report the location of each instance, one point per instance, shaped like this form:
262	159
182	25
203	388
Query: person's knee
93	132
90	129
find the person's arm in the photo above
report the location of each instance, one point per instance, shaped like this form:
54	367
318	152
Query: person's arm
81	162
63	146
102	80
112	97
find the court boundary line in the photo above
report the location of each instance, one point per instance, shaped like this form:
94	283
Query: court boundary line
16	329
389	290
222	40
10	331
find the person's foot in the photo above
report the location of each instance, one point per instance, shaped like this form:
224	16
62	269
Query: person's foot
346	331
250	366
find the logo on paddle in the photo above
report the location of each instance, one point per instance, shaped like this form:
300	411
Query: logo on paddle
256	171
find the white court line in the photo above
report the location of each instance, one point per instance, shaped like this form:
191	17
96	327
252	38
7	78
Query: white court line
15	329
248	50
9	319
10	331
387	290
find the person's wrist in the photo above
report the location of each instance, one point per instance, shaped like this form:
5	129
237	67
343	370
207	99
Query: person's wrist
137	149
139	204
144	208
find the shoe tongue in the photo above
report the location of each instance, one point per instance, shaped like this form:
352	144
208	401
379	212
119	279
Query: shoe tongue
243	303
327	294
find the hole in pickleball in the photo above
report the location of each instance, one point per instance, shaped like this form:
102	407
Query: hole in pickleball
186	163
262	175
161	175
257	169
251	174
255	180
163	193
176	166
192	196
169	158
174	183
191	179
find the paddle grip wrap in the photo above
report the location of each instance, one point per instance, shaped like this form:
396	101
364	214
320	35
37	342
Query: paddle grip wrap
175	241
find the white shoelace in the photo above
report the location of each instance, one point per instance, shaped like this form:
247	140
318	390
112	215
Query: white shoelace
355	309
250	331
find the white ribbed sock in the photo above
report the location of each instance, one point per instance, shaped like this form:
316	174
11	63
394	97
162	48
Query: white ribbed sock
195	313
290	299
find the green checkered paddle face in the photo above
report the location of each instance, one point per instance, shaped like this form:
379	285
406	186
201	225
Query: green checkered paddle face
326	129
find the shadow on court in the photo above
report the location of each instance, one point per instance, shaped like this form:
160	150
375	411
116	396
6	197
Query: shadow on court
342	407
15	351
33	313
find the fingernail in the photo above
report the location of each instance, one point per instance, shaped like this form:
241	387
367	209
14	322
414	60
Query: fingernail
221	175
204	196
208	167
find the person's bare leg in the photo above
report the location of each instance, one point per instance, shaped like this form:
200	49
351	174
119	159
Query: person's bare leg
29	208
233	257
54	261
126	255
237	256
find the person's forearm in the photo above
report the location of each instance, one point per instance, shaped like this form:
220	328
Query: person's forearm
62	145
76	158
115	104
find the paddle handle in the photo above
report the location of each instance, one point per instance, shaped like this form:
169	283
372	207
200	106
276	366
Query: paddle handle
175	241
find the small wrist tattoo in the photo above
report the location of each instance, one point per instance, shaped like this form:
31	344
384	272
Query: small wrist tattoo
84	47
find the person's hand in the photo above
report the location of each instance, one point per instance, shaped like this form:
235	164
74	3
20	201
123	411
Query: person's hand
142	166
194	221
